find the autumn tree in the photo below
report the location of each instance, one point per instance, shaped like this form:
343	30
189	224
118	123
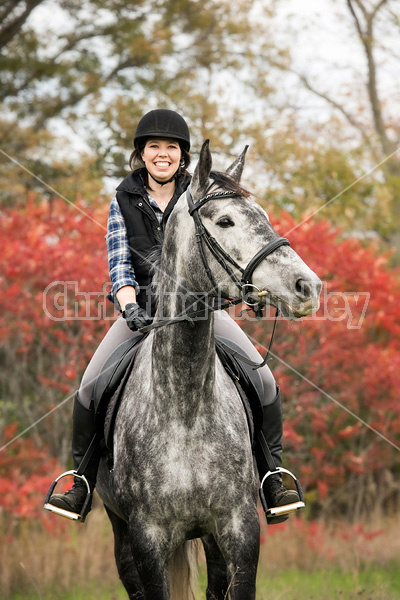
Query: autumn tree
53	311
361	135
97	66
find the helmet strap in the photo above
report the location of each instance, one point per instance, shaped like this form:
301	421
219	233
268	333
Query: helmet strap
174	176
162	182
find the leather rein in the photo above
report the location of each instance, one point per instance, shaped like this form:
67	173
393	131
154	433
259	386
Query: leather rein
245	284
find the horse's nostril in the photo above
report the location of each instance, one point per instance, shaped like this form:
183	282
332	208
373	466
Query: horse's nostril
304	289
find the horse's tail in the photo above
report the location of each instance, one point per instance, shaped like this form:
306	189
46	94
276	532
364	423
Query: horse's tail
183	571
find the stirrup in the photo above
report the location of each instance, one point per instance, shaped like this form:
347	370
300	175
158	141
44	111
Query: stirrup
277	511
66	513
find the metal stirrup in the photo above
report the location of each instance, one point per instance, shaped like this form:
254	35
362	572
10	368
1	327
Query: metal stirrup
66	513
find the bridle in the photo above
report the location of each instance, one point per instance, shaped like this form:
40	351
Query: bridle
245	284
203	237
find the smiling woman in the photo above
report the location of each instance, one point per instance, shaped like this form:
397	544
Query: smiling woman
161	159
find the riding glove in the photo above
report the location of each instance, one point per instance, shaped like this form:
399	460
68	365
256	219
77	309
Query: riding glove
136	317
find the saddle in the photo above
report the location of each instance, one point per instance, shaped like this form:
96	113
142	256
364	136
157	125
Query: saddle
110	383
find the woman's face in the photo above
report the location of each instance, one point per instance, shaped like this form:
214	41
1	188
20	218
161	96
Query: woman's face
162	158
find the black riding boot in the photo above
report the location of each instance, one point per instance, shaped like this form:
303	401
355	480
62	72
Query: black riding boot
83	431
274	492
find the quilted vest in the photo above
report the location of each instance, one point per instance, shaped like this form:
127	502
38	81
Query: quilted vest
143	229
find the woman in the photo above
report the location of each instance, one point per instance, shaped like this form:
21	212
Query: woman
137	218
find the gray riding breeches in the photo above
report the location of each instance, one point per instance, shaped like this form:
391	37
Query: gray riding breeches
224	326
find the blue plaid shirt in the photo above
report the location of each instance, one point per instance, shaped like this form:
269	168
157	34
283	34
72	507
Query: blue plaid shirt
119	256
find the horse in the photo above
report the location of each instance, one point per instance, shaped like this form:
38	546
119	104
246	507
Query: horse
183	463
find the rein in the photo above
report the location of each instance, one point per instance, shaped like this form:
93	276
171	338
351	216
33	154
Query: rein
190	317
245	284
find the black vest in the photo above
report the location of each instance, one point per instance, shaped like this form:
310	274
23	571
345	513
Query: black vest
144	231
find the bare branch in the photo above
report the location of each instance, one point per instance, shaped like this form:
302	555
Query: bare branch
362	8
128	63
356	20
11	29
377	8
367	39
8	7
395	17
353	122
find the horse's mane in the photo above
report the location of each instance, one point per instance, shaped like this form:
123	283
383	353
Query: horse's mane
154	257
228	183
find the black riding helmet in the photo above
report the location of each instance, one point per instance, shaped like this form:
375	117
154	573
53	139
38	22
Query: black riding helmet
162	123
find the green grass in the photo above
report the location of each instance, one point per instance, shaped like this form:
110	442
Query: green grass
374	584
86	593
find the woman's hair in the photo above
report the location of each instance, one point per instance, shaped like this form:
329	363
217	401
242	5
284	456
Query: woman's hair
135	159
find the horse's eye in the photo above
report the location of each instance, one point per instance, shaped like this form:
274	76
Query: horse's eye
225	222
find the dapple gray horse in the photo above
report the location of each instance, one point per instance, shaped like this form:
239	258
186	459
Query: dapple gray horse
183	464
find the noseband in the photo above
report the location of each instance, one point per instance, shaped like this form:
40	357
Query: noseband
245	284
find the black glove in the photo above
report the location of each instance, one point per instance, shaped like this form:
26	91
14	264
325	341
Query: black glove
136	317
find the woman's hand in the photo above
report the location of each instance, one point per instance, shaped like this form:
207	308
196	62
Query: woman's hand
136	317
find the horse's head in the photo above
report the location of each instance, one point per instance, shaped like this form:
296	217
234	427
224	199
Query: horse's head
241	252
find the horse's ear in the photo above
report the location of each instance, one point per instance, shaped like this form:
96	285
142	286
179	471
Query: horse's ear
236	168
202	172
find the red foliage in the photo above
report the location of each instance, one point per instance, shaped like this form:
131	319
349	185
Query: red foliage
52	272
350	353
46	244
26	473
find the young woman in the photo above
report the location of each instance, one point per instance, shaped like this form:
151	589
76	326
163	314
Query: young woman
137	218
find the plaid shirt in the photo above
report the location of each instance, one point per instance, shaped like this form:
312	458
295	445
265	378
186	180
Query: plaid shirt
118	250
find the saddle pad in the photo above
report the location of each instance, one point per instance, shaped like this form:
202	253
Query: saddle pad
249	379
112	372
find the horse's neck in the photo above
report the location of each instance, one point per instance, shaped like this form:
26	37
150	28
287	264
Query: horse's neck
183	353
186	346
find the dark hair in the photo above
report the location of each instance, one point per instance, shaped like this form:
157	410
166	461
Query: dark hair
135	159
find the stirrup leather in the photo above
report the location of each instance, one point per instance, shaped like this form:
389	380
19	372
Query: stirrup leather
275	511
66	513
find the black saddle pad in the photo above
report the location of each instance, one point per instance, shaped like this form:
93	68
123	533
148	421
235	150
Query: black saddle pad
247	380
113	371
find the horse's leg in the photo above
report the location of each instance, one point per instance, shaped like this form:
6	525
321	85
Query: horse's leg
240	549
123	557
151	561
217	583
